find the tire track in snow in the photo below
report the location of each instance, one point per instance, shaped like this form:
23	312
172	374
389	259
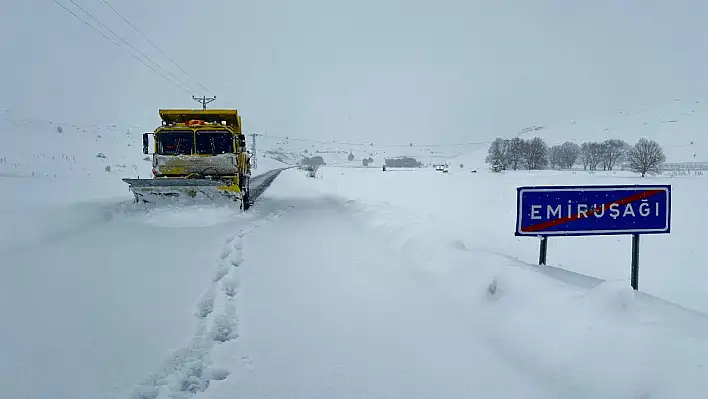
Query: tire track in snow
189	369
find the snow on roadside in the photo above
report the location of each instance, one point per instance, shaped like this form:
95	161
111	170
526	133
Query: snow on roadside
89	278
266	164
327	315
91	285
576	341
479	209
605	341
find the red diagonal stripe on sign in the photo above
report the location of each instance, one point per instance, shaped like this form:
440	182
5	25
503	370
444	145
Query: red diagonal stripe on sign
556	222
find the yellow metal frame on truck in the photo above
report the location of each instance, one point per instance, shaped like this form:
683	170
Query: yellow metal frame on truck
204	120
220	117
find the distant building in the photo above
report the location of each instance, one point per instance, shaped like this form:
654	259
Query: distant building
403	162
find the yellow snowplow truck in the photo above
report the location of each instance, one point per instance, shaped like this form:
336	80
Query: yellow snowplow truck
196	154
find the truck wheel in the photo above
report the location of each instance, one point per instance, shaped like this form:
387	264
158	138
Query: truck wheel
246	201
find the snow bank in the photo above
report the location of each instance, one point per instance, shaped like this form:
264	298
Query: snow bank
366	285
603	341
479	209
266	164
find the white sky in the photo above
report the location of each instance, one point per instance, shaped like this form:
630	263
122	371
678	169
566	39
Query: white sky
388	71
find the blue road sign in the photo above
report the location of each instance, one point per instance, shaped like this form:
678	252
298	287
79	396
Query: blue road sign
593	210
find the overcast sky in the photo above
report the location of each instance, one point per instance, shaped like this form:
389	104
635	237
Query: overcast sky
389	71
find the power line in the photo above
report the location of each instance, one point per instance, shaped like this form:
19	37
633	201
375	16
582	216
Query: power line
122	48
155	46
131	46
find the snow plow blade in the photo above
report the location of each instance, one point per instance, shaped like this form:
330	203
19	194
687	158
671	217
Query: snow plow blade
171	190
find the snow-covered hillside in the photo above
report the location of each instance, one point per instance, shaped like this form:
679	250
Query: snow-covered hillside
292	151
678	125
39	147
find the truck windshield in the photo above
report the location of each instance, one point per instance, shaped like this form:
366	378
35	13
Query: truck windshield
215	142
175	142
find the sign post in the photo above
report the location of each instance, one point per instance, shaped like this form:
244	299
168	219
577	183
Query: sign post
635	261
544	251
544	211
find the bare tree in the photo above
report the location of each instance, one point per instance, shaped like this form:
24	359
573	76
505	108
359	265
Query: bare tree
585	156
569	154
498	153
596	152
591	154
646	157
535	154
515	151
555	157
613	150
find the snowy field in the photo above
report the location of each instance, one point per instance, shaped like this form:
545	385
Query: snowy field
479	209
374	293
95	294
358	283
354	284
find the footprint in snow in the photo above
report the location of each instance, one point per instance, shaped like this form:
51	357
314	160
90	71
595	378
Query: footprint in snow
206	303
236	259
225	253
220	273
230	286
224	328
217	374
248	361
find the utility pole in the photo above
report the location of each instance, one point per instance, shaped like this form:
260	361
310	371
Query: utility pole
204	101
253	149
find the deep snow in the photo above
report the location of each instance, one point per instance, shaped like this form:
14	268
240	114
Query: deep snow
330	314
95	293
480	210
352	284
364	298
358	283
